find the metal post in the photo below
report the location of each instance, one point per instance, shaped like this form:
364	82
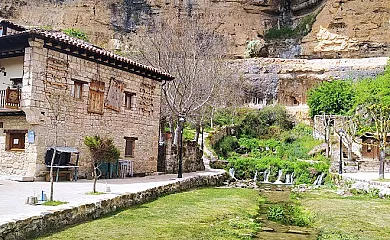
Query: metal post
180	170
202	143
341	133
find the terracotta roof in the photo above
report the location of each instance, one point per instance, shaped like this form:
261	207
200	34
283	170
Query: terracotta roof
62	37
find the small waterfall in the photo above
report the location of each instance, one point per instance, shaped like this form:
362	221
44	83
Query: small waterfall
292	178
255	177
266	175
279	177
231	173
288	180
318	181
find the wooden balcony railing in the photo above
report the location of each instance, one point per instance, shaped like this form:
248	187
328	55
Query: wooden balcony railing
10	98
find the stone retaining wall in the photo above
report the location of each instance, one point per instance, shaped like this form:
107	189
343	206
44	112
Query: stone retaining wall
49	221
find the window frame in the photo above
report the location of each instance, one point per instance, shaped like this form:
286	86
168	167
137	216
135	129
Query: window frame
78	85
132	141
11	135
131	97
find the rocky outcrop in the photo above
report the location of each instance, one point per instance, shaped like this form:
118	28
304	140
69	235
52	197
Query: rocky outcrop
286	81
350	29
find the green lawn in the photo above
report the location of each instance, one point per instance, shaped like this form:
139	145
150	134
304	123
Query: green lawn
209	213
349	218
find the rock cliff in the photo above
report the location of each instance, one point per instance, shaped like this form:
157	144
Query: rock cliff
343	28
286	81
350	28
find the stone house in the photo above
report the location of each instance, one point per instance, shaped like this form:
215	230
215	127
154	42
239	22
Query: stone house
56	89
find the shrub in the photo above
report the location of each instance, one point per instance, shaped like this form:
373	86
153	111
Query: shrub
284	32
76	33
262	124
290	214
279	33
253	48
225	146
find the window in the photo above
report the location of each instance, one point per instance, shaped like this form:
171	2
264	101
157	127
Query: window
129	100
15	139
1	30
17	82
77	91
129	149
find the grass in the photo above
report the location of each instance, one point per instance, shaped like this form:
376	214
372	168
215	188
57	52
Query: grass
188	134
53	203
95	193
352	218
209	213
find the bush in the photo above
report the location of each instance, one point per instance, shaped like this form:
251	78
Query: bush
262	123
226	146
253	48
290	214
76	33
281	33
284	32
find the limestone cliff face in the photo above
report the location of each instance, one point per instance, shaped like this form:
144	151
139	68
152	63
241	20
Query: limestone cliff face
91	16
286	81
102	20
350	28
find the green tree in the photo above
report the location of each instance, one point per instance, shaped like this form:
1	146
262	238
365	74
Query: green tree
333	97
102	150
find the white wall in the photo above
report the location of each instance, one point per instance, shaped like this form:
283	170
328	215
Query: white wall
13	67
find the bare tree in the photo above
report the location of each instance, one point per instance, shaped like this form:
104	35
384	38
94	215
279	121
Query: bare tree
182	47
349	125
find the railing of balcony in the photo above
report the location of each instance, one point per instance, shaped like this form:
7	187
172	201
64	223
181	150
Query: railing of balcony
5	104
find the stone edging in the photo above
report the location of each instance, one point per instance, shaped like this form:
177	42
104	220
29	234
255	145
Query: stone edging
367	181
49	221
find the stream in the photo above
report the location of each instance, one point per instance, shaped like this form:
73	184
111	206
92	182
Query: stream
279	194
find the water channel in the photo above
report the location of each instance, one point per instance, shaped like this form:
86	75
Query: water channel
279	194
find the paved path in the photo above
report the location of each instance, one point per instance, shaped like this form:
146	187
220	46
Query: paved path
14	194
368	176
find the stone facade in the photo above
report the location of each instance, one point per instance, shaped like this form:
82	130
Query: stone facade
59	118
19	163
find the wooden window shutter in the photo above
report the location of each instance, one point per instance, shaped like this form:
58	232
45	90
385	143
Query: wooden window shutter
96	97
114	95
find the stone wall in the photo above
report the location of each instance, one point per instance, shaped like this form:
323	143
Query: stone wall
59	119
16	163
192	157
217	135
59	219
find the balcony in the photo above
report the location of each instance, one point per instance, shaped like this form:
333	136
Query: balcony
10	101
